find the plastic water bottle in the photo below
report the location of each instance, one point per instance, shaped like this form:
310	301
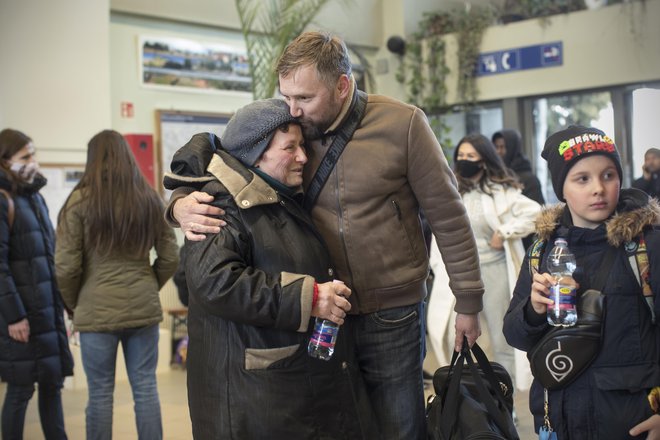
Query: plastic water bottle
561	265
322	343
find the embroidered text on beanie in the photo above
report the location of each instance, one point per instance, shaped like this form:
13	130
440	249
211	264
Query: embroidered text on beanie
563	149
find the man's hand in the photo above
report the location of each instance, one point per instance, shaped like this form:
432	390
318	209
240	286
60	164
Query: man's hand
331	302
650	425
466	325
196	217
20	331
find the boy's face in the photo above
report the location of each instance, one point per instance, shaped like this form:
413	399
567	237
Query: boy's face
591	190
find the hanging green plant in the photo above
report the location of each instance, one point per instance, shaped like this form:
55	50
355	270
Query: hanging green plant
268	27
471	25
424	70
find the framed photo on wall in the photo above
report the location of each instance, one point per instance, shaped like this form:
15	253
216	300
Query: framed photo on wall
190	65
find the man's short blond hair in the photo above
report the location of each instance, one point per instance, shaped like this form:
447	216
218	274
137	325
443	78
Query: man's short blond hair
325	51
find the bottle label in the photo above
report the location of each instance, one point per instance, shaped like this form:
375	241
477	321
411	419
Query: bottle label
323	335
564	296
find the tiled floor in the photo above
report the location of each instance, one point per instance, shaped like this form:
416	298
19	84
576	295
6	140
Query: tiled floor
174	408
176	421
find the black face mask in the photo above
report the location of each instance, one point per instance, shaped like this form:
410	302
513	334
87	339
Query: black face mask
468	168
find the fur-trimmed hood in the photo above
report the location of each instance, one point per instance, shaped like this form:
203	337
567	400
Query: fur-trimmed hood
635	211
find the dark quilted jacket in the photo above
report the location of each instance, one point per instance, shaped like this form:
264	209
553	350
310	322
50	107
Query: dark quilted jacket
251	288
28	289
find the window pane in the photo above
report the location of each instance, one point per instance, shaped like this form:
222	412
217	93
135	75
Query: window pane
646	108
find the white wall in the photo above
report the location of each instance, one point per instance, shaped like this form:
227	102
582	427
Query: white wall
125	80
68	65
55	80
618	44
614	45
340	16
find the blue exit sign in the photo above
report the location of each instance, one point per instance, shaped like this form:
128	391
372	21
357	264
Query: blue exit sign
521	58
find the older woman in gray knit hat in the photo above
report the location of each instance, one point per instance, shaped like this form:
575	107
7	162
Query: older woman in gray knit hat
255	288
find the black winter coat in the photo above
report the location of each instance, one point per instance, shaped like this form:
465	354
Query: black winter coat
609	398
515	160
251	289
28	289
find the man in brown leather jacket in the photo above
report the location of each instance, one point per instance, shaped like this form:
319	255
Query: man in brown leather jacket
368	213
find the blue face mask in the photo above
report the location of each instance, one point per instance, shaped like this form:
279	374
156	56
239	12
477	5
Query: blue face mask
468	168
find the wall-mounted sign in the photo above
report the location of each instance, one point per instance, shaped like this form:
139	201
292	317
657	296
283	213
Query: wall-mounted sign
521	58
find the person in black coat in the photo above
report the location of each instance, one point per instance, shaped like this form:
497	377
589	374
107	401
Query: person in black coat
650	180
33	340
509	146
179	278
609	399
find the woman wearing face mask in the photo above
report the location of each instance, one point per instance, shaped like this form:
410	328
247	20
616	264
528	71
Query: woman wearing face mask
500	217
33	342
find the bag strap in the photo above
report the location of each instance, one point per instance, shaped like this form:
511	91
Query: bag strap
535	253
449	417
10	207
451	398
639	262
332	155
506	426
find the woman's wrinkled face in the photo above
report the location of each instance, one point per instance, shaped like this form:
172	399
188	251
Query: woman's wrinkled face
285	157
24	163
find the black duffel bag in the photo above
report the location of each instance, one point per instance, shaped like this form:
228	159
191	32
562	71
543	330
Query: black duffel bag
471	403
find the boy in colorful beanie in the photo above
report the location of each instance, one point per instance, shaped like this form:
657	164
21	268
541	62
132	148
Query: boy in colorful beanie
613	397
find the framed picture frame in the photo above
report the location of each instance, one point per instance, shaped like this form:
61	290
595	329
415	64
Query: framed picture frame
174	130
194	66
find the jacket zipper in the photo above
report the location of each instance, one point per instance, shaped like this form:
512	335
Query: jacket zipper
397	210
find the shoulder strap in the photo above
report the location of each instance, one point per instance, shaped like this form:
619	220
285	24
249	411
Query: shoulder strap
332	155
535	253
10	210
639	263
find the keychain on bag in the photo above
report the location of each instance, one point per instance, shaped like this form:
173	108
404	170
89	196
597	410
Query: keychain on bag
546	432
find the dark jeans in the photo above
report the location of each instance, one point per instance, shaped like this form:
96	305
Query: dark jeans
390	348
50	410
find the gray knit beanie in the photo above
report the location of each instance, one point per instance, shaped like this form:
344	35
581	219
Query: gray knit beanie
252	127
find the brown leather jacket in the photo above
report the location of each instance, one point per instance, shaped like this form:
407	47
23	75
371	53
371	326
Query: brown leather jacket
368	210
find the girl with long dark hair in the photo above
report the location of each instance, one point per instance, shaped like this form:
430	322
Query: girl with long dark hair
106	229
